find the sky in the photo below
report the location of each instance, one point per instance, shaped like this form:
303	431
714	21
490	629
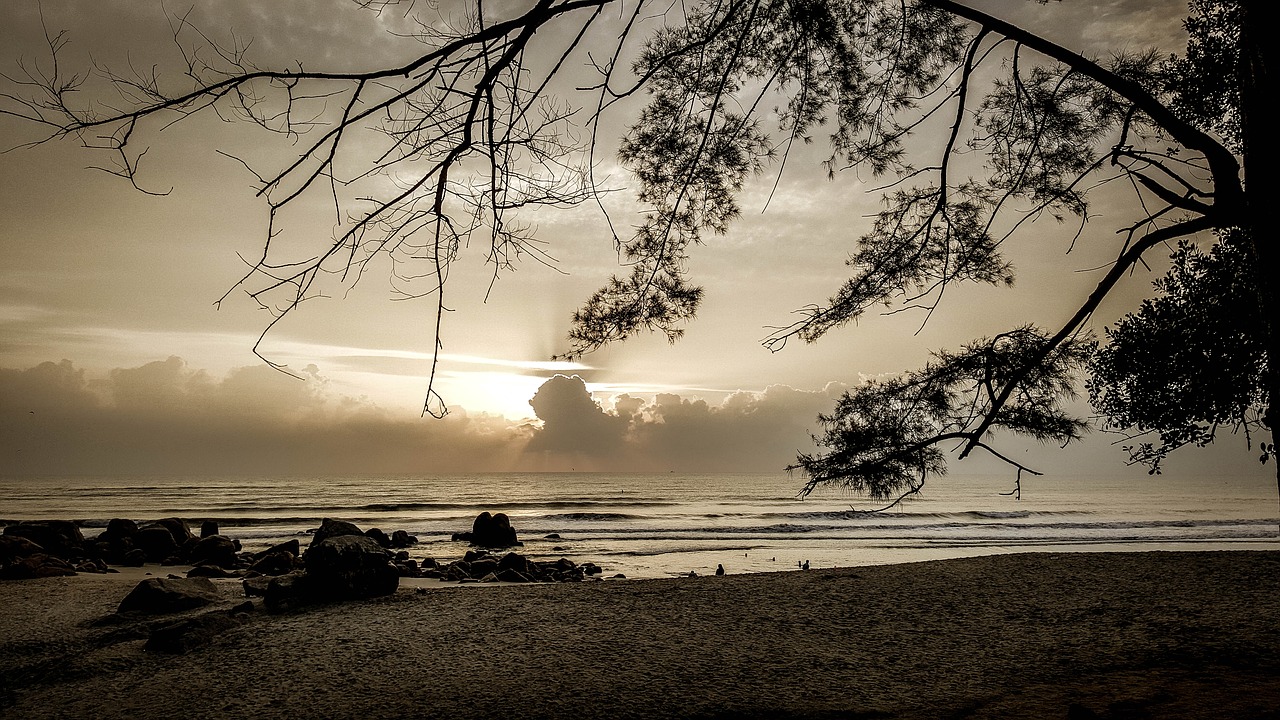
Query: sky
115	359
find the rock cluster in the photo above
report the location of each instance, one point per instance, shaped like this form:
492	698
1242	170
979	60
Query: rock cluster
483	566
46	548
490	531
341	563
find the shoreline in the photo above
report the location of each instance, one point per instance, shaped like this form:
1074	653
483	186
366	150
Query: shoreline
1185	634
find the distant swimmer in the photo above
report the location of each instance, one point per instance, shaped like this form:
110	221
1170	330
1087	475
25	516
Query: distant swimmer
719	569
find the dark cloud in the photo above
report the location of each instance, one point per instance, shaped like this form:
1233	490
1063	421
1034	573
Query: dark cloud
572	423
748	432
167	417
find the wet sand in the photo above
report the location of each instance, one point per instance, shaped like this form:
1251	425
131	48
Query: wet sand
1041	635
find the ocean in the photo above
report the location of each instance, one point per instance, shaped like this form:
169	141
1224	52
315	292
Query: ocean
661	525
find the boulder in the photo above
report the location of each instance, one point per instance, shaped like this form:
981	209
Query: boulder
121	528
402	539
330	528
349	567
92	566
291	547
483	567
217	550
287	592
276	563
493	531
38	565
256	586
378	536
16	547
177	527
156	542
209	528
60	538
514	561
134	558
213	571
158	596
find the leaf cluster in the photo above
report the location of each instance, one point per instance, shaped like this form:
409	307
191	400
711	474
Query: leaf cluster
1189	361
884	436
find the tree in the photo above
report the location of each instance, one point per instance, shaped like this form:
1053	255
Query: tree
470	131
1190	360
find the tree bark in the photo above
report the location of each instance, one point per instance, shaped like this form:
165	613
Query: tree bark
1257	60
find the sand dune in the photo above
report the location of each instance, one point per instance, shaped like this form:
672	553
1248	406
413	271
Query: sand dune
1123	635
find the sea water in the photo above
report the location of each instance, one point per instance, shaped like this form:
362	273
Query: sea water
657	525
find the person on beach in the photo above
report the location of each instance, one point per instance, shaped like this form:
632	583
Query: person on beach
719	569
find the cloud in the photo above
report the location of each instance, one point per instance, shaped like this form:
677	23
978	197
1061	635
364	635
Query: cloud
166	417
573	424
747	432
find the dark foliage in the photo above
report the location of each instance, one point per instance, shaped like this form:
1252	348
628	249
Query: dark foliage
1189	361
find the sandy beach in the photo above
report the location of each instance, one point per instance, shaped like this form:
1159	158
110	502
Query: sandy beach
1043	635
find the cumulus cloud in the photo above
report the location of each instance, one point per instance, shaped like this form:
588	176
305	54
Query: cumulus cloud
166	417
747	432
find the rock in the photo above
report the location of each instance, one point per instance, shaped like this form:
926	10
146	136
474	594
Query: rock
513	576
209	528
38	565
134	558
474	555
256	586
60	538
217	550
213	571
185	635
330	528
157	596
291	547
177	527
591	568
378	536
351	566
121	528
156	543
551	536
277	563
514	561
402	539
483	567
92	566
493	531
16	547
287	592
408	568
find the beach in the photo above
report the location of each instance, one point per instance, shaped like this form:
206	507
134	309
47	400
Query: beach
1053	635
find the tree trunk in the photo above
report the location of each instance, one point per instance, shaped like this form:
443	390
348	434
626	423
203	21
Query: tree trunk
1257	58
